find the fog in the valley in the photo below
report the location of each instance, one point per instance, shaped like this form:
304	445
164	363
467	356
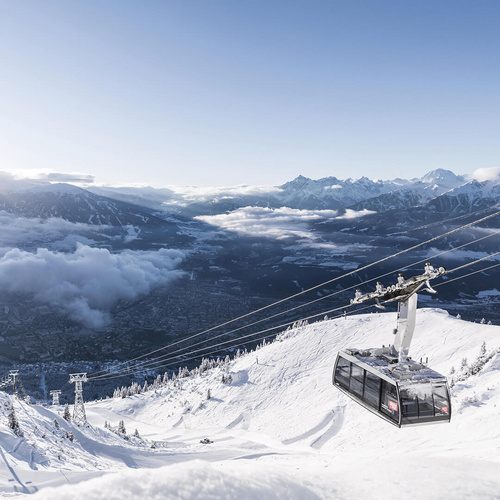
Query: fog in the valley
87	282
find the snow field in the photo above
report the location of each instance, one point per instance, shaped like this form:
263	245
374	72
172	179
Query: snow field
280	429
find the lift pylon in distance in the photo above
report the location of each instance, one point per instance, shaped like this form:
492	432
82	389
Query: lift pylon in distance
385	380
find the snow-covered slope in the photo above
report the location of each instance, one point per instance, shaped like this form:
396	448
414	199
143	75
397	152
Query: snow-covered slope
75	204
280	429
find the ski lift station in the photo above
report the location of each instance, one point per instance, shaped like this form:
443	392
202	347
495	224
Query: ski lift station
385	380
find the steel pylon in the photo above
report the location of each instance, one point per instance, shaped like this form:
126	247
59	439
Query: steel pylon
79	416
55	397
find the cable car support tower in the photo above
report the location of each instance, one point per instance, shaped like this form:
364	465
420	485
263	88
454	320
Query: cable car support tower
79	416
405	293
55	397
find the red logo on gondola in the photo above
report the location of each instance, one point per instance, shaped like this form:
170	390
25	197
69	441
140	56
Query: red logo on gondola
444	409
393	405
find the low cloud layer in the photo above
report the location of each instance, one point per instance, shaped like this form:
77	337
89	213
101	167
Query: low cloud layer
486	174
353	214
59	233
184	195
276	223
85	284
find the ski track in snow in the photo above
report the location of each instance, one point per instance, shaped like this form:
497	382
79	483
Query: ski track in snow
279	430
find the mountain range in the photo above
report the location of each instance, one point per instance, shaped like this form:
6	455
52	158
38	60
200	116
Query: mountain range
136	266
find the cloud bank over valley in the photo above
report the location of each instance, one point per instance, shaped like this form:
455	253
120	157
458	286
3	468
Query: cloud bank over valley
87	283
60	234
279	223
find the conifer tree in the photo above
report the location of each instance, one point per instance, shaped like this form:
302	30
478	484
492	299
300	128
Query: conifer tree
482	350
13	422
121	427
66	414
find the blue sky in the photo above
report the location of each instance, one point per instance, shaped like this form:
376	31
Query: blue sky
226	92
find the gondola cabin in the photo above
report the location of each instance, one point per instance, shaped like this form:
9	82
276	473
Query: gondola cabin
402	395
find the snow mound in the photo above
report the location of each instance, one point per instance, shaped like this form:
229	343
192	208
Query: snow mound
187	481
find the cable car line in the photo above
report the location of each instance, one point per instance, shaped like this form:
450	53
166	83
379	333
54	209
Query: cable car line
458	217
310	289
148	362
475	262
164	363
236	342
168	356
343	315
465	275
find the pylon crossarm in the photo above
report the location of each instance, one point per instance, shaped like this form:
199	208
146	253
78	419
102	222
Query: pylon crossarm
403	289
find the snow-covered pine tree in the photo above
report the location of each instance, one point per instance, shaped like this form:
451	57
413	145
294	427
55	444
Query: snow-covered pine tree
205	365
459	316
209	394
463	364
121	427
66	414
13	422
483	321
481	360
482	350
136	433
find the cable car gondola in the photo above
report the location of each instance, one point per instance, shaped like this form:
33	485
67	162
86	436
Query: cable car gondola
385	380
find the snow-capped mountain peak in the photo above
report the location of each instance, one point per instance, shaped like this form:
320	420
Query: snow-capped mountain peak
444	178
